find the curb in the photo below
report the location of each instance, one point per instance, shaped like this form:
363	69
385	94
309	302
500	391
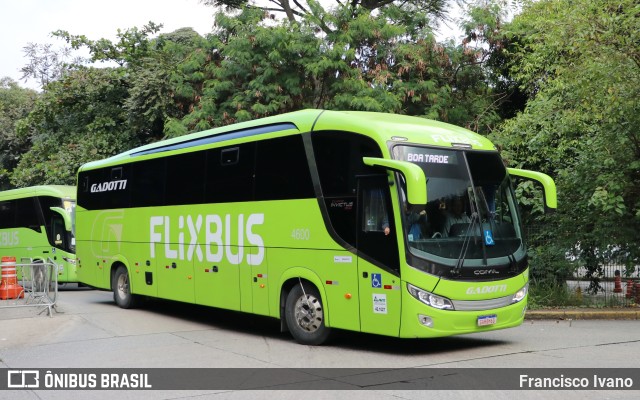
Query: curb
584	314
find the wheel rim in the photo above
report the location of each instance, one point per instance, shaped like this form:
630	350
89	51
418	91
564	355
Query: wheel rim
123	286
308	313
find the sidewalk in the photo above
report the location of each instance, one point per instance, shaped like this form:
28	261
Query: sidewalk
585	313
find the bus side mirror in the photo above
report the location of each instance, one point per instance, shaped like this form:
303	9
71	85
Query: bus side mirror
550	194
65	217
414	175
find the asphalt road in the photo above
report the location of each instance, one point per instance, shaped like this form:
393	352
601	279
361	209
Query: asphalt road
89	331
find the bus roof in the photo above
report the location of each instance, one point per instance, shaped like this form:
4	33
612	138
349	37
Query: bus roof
383	127
61	191
386	127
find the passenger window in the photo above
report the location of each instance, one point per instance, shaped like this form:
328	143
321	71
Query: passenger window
229	174
282	170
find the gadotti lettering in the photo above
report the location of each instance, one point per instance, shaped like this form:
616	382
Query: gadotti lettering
487	289
109	186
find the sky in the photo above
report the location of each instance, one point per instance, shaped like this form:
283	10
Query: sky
32	21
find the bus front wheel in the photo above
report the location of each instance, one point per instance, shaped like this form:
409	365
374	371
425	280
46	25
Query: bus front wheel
122	289
304	314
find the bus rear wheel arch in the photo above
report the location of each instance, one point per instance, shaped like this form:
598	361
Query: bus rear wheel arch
121	286
305	314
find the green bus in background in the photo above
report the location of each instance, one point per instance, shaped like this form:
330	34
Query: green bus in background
37	224
370	222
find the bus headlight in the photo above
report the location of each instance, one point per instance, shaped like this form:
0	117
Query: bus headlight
430	299
520	294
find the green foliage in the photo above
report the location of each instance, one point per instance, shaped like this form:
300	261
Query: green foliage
15	104
384	61
318	13
77	119
89	113
166	83
580	64
373	56
132	45
544	295
549	264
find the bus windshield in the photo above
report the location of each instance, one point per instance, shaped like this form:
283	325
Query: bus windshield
471	218
70	207
55	225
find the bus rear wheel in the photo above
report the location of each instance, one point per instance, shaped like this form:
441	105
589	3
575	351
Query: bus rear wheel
304	314
122	289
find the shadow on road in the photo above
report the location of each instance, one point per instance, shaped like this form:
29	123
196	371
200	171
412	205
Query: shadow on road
233	321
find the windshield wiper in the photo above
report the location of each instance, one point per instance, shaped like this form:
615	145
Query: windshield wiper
466	242
476	218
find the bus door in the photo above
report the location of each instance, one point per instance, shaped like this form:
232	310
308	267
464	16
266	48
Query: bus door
378	263
60	240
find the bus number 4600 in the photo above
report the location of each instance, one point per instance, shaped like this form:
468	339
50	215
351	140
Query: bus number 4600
301	234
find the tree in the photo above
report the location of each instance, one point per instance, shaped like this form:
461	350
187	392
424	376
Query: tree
89	112
251	66
165	74
579	63
15	104
314	11
46	64
79	118
386	61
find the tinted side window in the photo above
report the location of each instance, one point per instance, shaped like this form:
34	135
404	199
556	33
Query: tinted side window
20	213
86	179
230	174
7	214
148	182
338	157
51	218
118	195
27	215
185	178
108	187
282	170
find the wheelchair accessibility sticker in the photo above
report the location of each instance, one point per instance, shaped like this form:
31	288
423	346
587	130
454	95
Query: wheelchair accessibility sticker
488	238
376	280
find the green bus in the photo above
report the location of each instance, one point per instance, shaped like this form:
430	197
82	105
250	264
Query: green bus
322	219
37	224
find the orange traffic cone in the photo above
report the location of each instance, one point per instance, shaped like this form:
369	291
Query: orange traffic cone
629	293
9	288
618	282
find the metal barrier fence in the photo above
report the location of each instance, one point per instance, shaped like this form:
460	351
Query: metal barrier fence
29	284
613	279
614	284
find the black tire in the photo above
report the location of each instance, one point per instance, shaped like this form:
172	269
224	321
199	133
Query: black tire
122	289
304	314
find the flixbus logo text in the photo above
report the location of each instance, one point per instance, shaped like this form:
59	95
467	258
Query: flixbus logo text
208	237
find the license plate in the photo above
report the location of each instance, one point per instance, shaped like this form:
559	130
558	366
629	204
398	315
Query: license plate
485	320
